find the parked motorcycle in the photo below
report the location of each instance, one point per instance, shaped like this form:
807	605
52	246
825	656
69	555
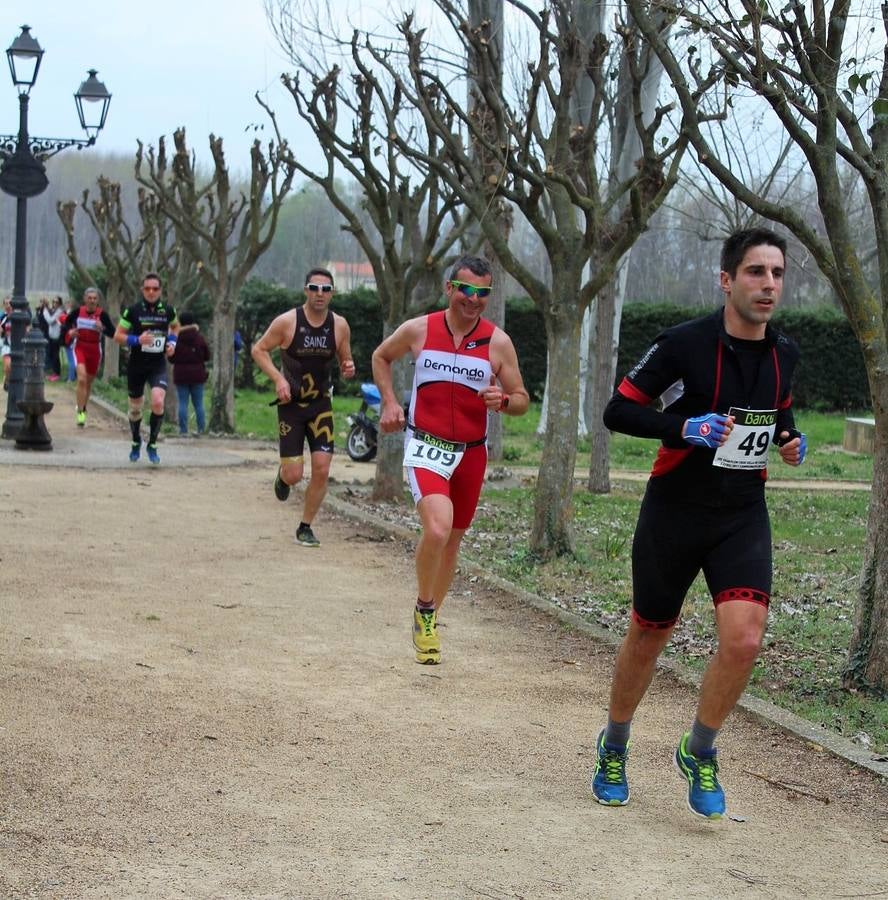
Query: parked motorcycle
362	435
364	431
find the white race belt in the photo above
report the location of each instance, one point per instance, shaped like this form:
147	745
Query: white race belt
425	451
747	444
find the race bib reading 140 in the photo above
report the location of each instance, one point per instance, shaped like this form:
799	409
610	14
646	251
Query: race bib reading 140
747	445
425	451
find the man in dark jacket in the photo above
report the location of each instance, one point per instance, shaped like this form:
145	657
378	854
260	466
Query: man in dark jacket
189	361
725	385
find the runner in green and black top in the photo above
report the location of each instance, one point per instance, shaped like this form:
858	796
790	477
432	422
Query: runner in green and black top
724	386
148	328
310	338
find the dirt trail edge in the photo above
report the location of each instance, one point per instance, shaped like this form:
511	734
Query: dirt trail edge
192	705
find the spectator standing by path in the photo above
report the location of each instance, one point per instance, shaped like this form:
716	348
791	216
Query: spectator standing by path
148	328
5	336
54	315
725	382
309	338
82	331
238	346
466	368
189	361
72	307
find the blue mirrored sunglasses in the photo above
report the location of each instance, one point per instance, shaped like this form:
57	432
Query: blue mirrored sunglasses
472	290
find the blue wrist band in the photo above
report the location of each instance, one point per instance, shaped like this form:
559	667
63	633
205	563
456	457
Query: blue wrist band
132	340
171	340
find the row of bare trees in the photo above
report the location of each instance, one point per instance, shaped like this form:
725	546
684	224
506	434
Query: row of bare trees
199	233
582	144
550	148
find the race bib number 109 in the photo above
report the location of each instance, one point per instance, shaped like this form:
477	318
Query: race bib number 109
748	443
425	451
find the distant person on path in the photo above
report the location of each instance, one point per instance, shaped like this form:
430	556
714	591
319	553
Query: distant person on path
190	371
725	384
238	346
466	368
82	331
39	320
71	309
53	314
5	340
148	329
309	337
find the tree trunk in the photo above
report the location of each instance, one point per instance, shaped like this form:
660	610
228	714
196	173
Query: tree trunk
604	348
388	485
867	665
222	358
171	399
552	534
496	312
111	356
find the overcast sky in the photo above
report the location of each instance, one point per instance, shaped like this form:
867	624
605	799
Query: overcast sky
167	63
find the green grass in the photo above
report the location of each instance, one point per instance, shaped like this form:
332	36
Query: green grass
522	447
253	416
825	460
818	540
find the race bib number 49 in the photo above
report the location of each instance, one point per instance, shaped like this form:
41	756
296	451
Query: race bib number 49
156	345
747	445
425	451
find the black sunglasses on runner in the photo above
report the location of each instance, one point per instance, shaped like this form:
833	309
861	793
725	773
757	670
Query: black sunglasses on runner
471	290
323	288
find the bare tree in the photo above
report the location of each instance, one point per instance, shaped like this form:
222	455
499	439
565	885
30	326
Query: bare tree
551	174
127	252
638	78
223	230
485	17
414	223
819	81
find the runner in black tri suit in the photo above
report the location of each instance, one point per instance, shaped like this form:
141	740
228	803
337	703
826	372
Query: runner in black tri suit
148	328
725	385
309	338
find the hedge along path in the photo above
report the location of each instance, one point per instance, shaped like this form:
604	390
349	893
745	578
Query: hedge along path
830	374
194	705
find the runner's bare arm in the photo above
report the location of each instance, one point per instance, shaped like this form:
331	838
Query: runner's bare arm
121	336
511	396
343	346
408	338
172	332
275	337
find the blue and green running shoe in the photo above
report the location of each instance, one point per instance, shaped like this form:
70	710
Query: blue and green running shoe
705	795
153	456
135	451
609	785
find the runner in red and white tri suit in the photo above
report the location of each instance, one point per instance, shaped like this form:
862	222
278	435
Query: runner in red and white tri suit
466	368
84	327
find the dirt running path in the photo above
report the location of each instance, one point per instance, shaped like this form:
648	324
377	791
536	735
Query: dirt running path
193	706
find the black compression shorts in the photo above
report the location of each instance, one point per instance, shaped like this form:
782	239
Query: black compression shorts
138	375
674	542
296	423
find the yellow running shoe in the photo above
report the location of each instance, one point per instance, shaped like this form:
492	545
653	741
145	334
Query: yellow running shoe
81	418
425	637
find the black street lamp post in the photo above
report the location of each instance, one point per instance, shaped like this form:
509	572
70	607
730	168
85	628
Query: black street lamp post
23	175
